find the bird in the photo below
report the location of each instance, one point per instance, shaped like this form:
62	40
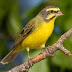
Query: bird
35	33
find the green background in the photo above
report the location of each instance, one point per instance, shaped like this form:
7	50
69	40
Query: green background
13	19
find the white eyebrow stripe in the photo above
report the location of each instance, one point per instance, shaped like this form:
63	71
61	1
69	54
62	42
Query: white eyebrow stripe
55	9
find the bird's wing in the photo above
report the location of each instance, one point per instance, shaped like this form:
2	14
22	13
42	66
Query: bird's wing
24	33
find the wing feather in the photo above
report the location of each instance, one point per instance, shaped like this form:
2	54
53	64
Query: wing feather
24	33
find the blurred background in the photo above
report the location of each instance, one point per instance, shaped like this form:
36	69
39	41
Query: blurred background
14	14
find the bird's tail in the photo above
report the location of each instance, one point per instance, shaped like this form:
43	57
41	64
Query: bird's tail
9	57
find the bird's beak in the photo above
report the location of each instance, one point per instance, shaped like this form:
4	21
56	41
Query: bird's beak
59	13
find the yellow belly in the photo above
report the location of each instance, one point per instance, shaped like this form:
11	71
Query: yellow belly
39	36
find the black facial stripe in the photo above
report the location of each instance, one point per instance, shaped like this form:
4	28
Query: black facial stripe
47	20
51	18
46	13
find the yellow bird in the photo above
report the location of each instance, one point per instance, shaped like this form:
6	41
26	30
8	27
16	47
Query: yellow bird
35	34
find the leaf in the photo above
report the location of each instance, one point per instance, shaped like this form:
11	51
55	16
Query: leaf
68	24
3	48
4	7
14	25
32	12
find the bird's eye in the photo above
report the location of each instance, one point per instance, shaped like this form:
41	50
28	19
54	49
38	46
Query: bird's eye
52	11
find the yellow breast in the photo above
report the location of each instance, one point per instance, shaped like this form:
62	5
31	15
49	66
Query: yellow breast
39	36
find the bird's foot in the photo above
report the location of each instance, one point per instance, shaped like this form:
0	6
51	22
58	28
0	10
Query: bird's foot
30	61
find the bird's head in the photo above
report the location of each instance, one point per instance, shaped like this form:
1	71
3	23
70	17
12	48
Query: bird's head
50	12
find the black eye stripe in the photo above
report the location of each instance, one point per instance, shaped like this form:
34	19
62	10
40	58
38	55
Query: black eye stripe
51	11
55	11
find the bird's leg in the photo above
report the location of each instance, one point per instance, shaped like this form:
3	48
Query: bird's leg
43	46
29	58
28	53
